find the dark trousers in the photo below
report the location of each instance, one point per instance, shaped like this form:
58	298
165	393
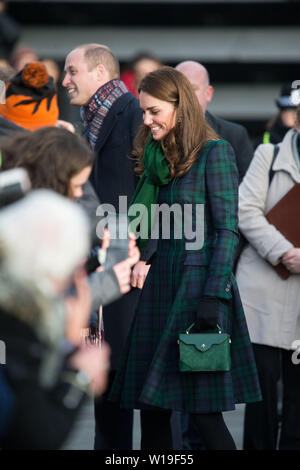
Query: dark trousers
156	431
113	427
261	419
191	438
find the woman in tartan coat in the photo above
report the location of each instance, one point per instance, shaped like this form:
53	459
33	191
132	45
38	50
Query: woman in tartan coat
182	161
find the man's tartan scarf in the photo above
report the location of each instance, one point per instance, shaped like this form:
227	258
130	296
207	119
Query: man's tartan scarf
93	114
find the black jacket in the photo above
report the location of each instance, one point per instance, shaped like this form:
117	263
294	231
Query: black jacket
41	418
8	127
237	136
112	175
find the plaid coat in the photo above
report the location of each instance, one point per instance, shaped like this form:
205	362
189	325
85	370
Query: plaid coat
148	374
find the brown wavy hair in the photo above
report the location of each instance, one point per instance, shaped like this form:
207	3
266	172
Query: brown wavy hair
51	156
191	131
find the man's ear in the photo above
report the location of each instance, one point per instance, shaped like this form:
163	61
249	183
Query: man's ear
209	93
101	72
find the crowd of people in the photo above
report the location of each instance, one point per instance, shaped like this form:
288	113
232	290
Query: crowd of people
154	143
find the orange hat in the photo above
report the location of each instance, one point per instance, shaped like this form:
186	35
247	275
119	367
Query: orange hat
31	100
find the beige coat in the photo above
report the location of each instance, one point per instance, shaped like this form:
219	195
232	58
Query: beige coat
272	305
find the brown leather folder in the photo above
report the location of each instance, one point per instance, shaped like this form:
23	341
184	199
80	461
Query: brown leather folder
285	216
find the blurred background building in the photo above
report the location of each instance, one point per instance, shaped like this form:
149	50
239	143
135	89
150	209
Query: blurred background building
250	48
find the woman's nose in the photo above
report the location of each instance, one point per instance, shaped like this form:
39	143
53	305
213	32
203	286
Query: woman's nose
147	119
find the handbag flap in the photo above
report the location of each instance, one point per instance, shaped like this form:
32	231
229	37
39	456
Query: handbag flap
203	342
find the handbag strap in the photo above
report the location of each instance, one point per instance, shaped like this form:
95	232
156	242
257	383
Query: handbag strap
191	326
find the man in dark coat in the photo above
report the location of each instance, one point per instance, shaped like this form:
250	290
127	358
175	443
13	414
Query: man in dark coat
111	117
234	133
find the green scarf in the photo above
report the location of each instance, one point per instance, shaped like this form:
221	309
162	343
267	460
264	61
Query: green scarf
156	174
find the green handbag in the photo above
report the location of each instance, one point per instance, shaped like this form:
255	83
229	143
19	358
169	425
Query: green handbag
205	352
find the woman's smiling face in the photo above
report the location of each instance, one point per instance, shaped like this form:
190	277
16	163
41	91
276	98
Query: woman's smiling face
159	115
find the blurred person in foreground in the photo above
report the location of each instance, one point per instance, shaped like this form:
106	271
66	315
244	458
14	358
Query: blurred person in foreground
58	160
111	117
30	101
272	304
47	369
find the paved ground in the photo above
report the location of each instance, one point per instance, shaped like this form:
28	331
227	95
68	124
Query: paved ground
82	436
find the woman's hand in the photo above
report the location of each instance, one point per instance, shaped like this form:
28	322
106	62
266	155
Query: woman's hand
133	251
139	274
65	125
291	260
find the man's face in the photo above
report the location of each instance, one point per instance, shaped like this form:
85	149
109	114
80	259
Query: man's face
288	117
198	79
80	83
143	67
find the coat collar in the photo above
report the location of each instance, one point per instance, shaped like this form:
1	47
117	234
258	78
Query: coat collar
211	120
112	118
286	160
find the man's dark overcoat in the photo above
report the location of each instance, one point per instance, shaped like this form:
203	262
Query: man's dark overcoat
113	176
237	136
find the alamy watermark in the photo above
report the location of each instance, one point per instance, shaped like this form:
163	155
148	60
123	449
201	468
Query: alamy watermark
295	95
296	353
2	352
186	220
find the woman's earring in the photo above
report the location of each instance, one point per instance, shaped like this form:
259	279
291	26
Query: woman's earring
179	120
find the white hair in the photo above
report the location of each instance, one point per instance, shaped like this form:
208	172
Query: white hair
43	237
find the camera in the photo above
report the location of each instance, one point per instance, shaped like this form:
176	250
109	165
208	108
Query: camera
14	184
118	247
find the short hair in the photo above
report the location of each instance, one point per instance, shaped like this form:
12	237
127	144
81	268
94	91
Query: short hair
96	54
194	64
145	56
